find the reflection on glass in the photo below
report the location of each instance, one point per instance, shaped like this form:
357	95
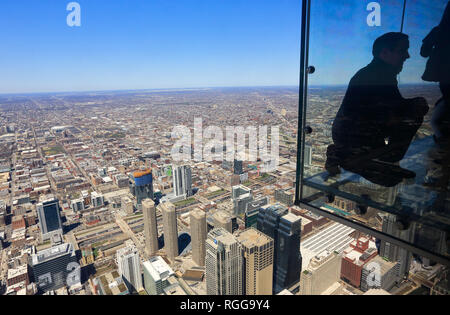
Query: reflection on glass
378	108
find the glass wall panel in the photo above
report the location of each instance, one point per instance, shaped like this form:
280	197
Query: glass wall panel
375	147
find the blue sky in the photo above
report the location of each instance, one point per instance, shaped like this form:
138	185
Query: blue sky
145	44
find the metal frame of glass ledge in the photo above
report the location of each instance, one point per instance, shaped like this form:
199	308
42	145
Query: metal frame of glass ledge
326	189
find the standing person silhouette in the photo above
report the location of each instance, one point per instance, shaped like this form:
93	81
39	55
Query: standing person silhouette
436	47
375	124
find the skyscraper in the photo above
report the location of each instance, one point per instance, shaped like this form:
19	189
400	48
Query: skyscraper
308	155
285	229
49	218
238	170
257	249
141	186
223	220
393	252
150	227
242	196
169	215
198	236
252	212
55	267
156	275
182	181
223	264
322	272
129	266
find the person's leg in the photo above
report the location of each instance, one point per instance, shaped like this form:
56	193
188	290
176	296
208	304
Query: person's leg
445	89
438	120
400	137
444	114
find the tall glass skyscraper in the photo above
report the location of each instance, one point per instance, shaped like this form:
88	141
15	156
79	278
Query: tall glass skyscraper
182	181
223	264
49	218
55	267
129	266
285	229
141	186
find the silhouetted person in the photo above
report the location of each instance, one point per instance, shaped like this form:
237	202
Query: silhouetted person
436	47
375	124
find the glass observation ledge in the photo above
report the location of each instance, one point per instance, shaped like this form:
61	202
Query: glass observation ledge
350	86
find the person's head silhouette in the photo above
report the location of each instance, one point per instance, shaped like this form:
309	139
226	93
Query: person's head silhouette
392	48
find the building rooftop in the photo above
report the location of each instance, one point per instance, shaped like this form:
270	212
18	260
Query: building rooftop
320	259
253	238
290	217
15	272
158	268
377	292
52	253
194	275
223	236
139	174
174	288
112	284
197	213
256	204
384	264
277	209
222	216
335	237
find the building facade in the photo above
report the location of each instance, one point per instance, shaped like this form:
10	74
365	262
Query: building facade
322	272
150	226
198	236
223	264
257	250
393	252
169	215
49	218
55	267
141	186
285	229
156	275
182	181
129	266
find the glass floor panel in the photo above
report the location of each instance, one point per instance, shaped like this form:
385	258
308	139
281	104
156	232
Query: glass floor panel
420	200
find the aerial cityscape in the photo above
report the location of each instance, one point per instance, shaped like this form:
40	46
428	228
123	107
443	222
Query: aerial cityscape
189	163
88	180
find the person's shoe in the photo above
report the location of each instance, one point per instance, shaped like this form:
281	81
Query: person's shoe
395	168
407	174
332	163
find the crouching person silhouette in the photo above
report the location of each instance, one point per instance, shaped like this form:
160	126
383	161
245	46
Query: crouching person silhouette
375	124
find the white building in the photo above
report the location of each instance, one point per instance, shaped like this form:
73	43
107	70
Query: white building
156	275
182	181
77	205
97	200
129	266
323	272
